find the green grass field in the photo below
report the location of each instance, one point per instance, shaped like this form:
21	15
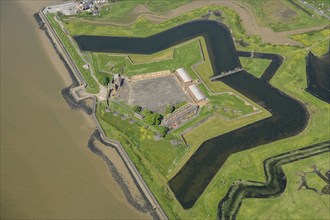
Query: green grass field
110	63
316	41
141	28
230	106
290	78
293	203
160	154
156	57
184	55
255	66
118	10
121	9
281	15
310	38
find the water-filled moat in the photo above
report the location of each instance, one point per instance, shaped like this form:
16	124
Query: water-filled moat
289	116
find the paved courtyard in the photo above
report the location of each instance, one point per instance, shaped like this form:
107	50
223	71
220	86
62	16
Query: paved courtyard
153	94
67	8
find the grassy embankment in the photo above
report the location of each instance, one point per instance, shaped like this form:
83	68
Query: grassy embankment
184	55
92	86
243	165
316	41
282	15
156	57
255	66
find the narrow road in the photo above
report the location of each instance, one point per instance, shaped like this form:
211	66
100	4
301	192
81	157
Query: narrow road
314	9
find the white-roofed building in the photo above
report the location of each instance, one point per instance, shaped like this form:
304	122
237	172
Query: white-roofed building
183	76
196	94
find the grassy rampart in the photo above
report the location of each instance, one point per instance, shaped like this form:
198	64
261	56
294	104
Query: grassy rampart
92	86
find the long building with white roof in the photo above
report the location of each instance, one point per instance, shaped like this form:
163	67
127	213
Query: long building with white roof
183	76
196	93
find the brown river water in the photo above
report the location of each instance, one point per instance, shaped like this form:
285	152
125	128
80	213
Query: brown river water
47	170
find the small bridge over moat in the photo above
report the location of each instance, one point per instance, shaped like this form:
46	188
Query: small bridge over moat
223	74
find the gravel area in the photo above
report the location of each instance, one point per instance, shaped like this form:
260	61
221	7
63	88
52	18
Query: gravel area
153	94
68	8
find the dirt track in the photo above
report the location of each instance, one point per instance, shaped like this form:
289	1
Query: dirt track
249	23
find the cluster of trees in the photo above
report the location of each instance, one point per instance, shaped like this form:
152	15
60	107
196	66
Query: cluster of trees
104	80
152	118
163	130
137	108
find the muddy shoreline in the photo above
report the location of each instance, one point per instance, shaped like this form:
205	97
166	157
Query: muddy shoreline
66	91
117	176
66	94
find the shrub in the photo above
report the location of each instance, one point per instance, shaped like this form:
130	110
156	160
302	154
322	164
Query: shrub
163	130
137	108
153	118
105	80
169	109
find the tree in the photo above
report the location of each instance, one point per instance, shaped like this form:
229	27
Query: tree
163	130
105	80
146	112
137	108
169	109
158	118
150	119
153	118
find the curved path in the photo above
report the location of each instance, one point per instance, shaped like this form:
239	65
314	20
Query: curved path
289	117
248	20
275	180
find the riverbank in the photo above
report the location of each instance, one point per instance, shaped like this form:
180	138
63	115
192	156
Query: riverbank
47	170
77	79
292	89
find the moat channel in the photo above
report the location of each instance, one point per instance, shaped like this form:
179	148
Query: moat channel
289	116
